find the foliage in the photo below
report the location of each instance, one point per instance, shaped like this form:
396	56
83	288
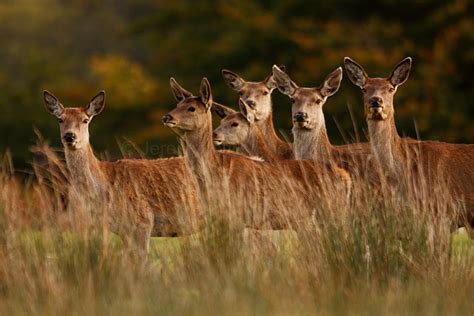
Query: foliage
131	48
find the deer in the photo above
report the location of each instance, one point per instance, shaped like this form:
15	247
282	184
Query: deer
311	140
261	191
142	198
451	165
239	129
258	95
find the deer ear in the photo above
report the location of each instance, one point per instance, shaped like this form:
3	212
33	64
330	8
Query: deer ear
96	105
270	82
282	68
221	110
246	111
284	84
206	93
355	72
332	83
401	72
179	92
233	80
52	104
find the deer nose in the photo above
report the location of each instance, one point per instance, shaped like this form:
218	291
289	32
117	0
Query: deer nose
300	116
167	118
375	102
251	103
69	137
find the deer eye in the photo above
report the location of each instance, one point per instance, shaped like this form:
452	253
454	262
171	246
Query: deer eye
265	92
60	121
364	90
235	124
318	101
391	89
292	100
191	109
241	93
85	121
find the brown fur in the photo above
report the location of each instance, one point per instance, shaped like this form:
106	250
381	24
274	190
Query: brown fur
440	163
311	140
141	197
238	129
262	188
258	96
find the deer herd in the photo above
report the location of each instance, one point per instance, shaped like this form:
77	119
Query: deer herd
265	175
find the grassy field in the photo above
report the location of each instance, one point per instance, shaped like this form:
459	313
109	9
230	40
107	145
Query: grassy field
398	258
51	272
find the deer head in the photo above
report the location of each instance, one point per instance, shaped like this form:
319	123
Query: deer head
235	126
74	122
378	92
191	111
307	103
257	95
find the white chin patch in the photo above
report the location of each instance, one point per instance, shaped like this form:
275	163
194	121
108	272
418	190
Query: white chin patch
377	110
303	125
377	113
72	145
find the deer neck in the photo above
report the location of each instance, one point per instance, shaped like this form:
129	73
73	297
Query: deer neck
385	143
199	149
84	168
269	133
256	145
312	143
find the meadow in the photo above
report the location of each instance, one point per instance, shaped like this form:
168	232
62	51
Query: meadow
394	257
392	251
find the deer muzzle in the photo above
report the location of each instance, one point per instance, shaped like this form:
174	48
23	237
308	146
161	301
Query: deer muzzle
375	102
217	138
69	138
168	120
300	117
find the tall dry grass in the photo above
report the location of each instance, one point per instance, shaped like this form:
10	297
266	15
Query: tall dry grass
387	253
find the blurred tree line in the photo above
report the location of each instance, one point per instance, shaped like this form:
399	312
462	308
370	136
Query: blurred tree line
130	48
